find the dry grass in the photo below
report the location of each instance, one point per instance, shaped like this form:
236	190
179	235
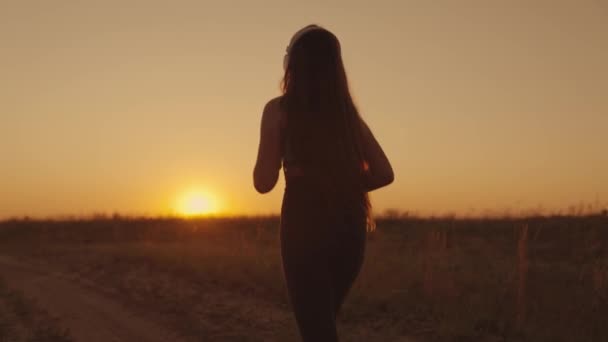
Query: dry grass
22	321
532	279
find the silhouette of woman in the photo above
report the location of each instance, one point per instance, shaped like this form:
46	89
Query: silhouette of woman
331	160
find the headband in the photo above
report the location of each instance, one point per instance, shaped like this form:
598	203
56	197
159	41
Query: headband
295	38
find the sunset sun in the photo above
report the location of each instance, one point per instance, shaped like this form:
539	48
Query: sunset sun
196	203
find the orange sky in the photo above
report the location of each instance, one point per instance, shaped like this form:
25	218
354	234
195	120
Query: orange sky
124	105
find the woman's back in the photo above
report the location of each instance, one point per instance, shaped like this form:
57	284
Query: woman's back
331	160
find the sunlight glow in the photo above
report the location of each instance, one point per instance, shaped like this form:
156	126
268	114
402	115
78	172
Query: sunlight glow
196	203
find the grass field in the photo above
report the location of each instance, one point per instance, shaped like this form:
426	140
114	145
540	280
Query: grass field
528	279
22	321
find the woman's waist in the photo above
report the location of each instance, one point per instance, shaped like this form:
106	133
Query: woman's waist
322	190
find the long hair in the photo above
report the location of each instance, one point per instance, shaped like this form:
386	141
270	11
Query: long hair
323	127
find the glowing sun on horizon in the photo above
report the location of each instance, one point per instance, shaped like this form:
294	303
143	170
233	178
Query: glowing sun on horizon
196	203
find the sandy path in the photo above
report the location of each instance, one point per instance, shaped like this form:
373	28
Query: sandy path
92	315
89	315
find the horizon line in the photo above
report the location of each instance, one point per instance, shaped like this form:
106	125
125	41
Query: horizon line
579	211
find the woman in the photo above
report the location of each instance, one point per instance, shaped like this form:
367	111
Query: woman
330	160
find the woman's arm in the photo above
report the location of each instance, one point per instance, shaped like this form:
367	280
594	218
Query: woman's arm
379	173
268	164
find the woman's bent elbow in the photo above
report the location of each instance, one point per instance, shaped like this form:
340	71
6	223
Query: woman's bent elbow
262	188
386	179
264	183
390	178
379	181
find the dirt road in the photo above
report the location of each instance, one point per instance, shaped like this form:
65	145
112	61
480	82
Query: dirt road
89	315
92	315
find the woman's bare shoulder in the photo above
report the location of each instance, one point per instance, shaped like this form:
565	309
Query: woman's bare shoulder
274	104
273	114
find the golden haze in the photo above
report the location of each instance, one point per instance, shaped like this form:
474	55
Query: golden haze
117	106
